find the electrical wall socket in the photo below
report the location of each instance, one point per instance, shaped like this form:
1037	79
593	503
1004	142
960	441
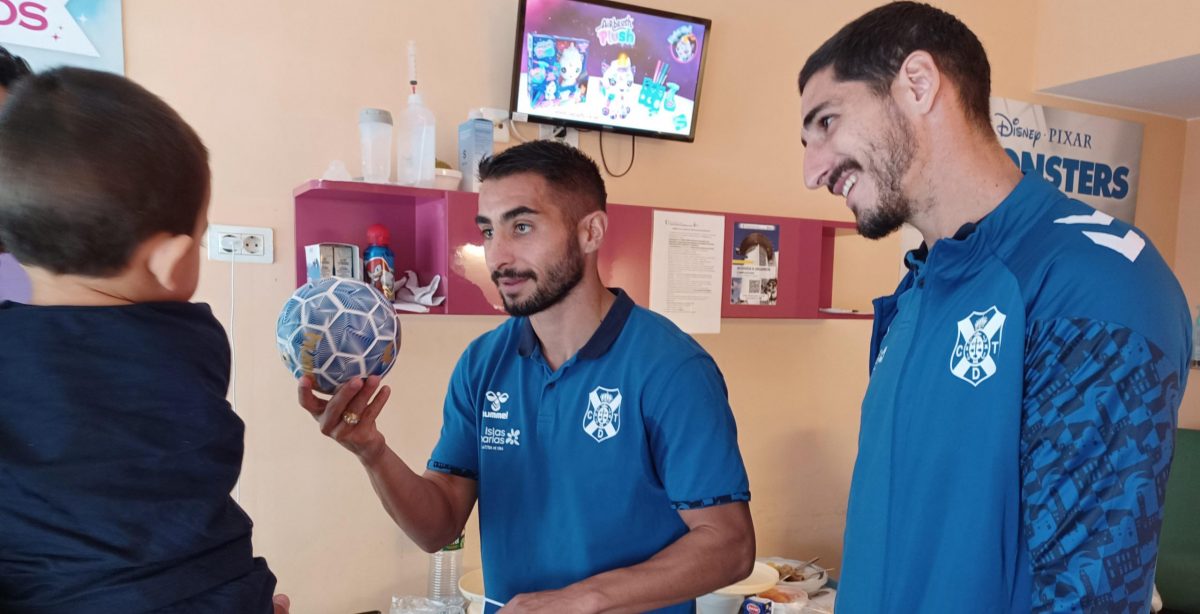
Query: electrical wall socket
570	136
251	244
498	117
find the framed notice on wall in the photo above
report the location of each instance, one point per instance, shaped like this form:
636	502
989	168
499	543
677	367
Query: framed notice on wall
1090	158
50	33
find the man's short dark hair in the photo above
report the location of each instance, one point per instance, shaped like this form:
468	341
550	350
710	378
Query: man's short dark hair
566	169
92	165
872	48
11	68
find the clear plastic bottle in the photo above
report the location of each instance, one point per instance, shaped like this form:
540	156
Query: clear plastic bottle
375	132
415	144
444	568
417	135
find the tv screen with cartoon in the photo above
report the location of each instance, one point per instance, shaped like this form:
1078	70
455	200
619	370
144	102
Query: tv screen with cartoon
605	65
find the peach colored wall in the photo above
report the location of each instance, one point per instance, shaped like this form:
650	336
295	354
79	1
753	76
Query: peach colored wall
1081	39
1187	257
1187	247
274	89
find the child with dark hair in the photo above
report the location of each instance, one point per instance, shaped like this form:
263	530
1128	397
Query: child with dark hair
11	68
118	450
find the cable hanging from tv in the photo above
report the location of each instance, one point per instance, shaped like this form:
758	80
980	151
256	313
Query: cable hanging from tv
632	156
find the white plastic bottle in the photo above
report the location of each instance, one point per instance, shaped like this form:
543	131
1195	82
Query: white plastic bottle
415	144
375	132
416	136
444	572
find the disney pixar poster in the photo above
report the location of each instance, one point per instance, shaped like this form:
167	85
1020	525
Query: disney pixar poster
1089	157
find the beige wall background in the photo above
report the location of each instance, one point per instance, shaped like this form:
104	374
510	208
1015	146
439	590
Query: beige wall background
274	88
1187	253
1081	39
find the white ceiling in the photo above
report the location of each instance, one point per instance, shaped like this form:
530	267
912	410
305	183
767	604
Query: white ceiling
1167	88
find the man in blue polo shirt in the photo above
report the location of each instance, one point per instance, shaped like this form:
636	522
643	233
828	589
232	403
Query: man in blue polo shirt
1017	430
596	436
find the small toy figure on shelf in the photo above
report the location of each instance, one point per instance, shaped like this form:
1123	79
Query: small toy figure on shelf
379	263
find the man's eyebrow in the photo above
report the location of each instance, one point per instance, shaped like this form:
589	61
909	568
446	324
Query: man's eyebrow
507	215
808	118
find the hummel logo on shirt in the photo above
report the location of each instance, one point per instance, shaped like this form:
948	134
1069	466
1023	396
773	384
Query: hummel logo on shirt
497	400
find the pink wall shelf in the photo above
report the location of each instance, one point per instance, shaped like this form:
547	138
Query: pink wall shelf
434	233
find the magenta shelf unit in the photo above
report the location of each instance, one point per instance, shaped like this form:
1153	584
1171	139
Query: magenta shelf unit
424	224
432	229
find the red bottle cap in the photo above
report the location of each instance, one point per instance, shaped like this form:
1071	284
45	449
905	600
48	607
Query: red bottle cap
377	234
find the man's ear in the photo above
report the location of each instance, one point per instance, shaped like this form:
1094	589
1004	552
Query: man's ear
591	231
167	259
918	83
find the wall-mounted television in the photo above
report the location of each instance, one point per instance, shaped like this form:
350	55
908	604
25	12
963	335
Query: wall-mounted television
609	66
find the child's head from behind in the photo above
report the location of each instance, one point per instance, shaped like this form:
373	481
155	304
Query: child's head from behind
101	180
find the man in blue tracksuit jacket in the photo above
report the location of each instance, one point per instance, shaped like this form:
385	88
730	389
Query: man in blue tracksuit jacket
1026	375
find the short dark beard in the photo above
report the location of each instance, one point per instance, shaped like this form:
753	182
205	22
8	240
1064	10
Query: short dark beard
892	160
561	279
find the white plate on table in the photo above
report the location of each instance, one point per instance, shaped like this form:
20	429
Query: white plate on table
815	575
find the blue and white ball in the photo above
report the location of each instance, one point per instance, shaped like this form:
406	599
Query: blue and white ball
337	330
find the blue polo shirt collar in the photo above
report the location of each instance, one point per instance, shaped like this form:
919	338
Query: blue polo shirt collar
606	334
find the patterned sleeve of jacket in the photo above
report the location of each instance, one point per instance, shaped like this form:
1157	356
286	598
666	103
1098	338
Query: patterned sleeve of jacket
1097	438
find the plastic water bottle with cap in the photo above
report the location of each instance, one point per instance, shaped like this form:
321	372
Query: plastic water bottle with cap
444	572
416	137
